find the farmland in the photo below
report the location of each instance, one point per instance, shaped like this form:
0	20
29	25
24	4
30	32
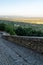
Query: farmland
25	20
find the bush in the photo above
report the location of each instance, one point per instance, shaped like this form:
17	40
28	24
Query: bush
2	26
28	32
10	29
12	32
20	31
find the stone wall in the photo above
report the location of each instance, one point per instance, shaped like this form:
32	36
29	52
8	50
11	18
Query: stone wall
35	43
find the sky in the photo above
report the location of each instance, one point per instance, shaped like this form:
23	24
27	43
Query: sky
26	8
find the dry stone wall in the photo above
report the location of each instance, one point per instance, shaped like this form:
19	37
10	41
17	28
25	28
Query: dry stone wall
35	43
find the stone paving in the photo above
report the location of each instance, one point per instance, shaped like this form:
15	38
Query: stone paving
13	54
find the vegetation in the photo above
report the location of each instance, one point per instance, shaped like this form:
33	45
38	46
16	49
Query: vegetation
7	28
22	29
28	32
2	26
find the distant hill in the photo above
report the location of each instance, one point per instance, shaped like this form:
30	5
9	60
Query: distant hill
22	19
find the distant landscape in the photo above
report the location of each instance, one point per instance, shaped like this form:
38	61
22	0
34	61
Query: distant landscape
35	20
22	26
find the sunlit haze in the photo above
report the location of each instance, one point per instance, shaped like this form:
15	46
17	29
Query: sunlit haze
27	8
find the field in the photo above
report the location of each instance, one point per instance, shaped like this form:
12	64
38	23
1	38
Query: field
25	20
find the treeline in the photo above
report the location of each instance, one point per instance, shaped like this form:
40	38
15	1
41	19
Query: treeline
21	31
28	32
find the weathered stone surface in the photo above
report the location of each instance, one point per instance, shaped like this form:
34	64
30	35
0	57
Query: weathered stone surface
14	54
35	43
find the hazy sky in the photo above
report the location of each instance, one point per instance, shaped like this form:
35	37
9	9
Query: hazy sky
28	8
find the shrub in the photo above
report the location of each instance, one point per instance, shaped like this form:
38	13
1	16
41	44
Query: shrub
10	29
20	31
2	26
